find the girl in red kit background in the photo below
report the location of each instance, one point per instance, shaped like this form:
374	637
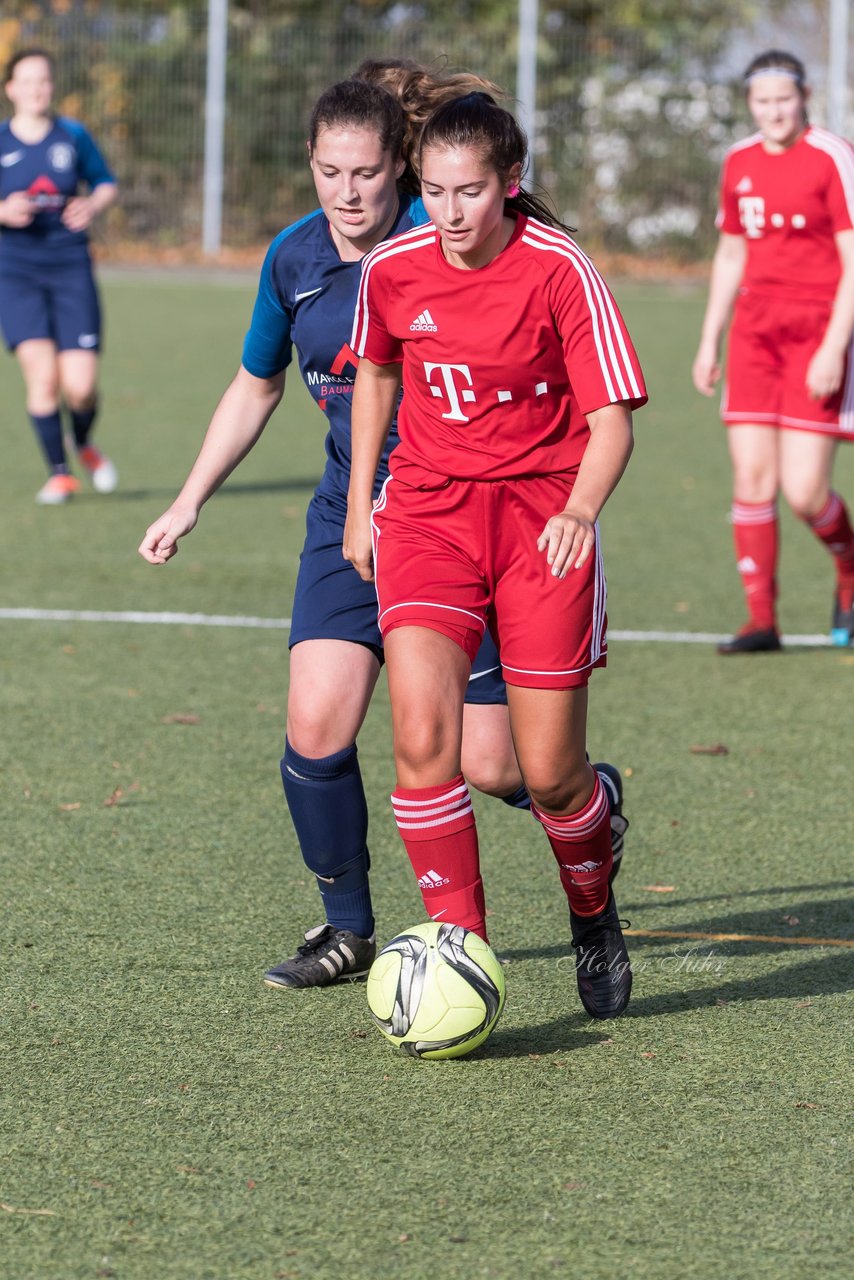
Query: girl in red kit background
785	263
519	380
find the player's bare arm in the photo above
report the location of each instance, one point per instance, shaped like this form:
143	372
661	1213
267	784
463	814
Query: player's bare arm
375	395
569	537
827	367
237	423
727	270
81	211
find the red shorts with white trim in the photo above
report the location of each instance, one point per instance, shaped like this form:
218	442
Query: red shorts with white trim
461	557
771	343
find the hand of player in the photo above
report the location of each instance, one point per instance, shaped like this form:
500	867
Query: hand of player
161	538
357	546
78	213
567	540
824	373
706	371
18	210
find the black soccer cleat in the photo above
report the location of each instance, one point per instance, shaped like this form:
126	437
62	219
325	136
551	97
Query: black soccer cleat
328	955
842	627
603	969
610	778
753	640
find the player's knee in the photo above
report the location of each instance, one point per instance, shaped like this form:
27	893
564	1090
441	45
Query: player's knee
493	777
806	501
314	730
563	794
420	741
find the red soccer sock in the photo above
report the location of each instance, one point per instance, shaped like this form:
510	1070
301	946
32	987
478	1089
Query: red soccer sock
755	534
581	842
832	526
437	826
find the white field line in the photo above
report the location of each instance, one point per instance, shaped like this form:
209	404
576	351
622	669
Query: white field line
283	624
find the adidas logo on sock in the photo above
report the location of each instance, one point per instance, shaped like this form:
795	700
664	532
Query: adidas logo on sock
747	565
432	880
424	323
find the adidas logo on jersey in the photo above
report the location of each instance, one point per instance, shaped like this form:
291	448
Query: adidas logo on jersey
744	186
432	880
424	323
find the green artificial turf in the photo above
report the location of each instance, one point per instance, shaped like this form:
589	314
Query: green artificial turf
163	1116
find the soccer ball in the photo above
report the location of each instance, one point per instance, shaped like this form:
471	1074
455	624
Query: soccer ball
436	991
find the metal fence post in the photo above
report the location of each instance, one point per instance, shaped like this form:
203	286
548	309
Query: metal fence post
214	125
837	66
526	79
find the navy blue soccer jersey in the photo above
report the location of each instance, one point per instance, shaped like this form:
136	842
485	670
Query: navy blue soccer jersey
50	171
306	299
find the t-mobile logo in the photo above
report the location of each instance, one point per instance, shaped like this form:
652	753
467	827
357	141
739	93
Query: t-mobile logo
752	211
449	389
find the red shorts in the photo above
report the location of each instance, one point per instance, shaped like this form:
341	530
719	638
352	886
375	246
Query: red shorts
771	343
464	556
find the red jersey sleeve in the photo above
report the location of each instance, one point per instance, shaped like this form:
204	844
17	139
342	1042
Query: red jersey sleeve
600	359
840	187
727	219
371	337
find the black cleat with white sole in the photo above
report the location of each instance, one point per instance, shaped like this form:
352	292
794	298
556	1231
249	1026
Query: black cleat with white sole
327	956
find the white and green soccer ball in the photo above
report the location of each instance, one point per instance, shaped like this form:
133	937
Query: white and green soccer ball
436	991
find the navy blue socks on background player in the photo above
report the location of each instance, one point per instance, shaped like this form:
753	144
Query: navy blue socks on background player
327	803
48	428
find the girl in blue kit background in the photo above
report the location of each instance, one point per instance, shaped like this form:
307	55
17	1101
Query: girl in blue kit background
305	304
49	308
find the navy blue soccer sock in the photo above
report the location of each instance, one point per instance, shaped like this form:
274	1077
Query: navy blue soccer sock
81	424
48	428
518	799
327	803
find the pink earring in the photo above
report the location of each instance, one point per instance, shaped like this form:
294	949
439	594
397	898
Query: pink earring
513	191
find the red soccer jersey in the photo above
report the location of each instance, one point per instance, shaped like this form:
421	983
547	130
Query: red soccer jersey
500	364
789	205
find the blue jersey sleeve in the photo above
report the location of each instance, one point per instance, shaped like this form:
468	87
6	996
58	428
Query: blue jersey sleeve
92	168
267	348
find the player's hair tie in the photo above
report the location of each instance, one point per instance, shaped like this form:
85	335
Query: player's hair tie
775	71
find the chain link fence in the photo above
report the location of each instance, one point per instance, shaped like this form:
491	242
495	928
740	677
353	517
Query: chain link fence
630	134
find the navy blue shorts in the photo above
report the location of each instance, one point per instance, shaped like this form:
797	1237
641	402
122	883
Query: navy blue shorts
331	602
56	301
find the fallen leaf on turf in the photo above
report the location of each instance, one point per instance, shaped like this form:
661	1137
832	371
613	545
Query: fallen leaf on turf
66	808
181	718
709	749
807	1106
720	1003
608	1040
101	1186
188	1168
114	798
628	772
43	1213
359	1035
535	1057
659	888
574	1186
404	1238
648	1055
804	1004
69	648
790	920
458	1239
251	1184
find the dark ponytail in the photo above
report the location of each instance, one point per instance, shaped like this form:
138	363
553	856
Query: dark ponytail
476	121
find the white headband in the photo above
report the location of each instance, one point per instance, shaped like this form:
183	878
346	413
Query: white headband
775	71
